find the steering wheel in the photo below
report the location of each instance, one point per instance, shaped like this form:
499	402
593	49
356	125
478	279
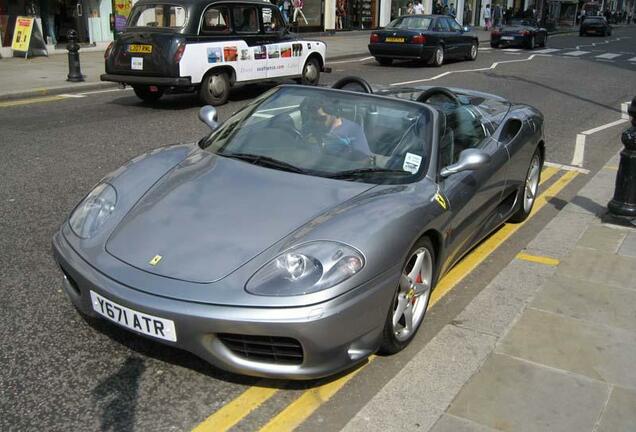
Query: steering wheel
353	83
438	91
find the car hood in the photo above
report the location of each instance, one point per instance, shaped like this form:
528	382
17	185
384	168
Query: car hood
210	215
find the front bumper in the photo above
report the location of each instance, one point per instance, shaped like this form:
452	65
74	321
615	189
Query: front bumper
334	335
148	80
517	40
401	51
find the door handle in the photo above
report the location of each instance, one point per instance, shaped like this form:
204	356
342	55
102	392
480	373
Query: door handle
79	9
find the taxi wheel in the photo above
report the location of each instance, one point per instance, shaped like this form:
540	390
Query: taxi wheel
311	72
215	88
144	93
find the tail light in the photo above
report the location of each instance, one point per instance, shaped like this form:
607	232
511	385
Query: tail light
418	39
374	38
108	50
525	33
179	53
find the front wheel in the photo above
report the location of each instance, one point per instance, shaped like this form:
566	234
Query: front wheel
215	88
311	72
148	94
545	41
411	297
472	53
437	59
531	43
528	195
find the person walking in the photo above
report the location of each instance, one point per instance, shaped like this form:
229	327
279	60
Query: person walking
409	8
496	16
487	16
451	11
418	9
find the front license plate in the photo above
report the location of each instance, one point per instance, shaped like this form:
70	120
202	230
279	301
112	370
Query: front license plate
140	322
394	39
142	49
507	38
137	63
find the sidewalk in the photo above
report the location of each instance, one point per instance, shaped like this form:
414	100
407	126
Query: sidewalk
42	76
546	346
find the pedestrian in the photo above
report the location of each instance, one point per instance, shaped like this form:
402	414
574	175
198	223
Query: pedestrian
487	17
496	15
451	11
468	15
418	9
340	12
409	8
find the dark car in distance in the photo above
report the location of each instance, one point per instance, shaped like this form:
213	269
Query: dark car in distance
597	25
430	38
519	32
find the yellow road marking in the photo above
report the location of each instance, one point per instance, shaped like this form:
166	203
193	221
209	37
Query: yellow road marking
538	259
233	412
299	410
30	101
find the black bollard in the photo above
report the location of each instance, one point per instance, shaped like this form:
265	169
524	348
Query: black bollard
624	201
74	70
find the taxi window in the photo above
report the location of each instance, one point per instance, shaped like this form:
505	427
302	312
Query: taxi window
166	16
271	21
245	19
216	20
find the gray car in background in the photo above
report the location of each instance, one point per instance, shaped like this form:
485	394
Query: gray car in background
308	230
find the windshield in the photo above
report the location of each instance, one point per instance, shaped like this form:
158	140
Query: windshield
158	16
419	23
518	22
330	134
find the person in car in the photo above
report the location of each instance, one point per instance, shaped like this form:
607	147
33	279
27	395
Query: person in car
323	122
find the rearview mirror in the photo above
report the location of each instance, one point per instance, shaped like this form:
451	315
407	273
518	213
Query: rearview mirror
209	116
469	160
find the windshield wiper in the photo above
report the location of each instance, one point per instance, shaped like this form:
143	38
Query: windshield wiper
366	171
265	161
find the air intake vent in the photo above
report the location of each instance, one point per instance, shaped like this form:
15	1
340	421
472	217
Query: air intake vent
266	349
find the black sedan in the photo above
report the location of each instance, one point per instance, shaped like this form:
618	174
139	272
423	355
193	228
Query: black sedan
430	38
595	25
519	32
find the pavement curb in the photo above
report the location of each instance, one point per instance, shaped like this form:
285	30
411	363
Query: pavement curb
58	90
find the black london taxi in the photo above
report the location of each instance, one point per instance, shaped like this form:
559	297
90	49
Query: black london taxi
208	46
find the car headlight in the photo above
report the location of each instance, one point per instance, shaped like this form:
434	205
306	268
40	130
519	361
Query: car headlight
93	211
306	269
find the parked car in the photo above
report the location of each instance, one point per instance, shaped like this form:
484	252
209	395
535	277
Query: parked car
519	32
208	46
597	25
430	38
308	230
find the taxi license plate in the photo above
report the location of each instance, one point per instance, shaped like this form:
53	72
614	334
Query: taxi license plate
141	49
137	321
394	39
507	38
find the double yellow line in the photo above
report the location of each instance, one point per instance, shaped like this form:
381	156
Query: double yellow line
310	400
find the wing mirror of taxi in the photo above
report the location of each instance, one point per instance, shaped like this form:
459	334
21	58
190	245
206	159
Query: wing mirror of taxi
209	116
469	160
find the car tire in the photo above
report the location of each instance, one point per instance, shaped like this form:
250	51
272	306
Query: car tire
581	34
215	88
544	42
144	93
472	54
494	45
311	72
531	43
398	333
528	194
384	61
437	59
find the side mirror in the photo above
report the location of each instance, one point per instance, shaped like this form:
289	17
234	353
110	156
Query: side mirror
469	160
209	116
465	29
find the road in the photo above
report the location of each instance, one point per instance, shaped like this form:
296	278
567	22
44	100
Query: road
59	371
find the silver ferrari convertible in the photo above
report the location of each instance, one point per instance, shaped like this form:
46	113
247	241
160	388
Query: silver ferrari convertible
308	230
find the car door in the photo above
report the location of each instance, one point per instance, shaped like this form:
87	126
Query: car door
473	196
282	59
462	41
444	36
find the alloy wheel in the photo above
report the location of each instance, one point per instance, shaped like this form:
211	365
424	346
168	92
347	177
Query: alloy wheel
414	292
532	184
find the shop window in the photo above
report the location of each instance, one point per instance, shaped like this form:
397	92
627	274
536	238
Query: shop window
216	20
245	19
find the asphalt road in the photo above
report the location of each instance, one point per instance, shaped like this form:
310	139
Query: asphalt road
59	371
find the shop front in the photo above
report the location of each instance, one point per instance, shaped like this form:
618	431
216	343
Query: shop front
90	18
